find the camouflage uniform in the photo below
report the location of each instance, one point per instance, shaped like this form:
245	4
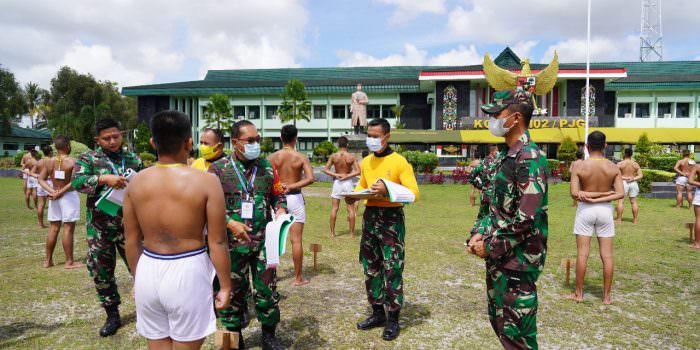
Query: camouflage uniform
480	178
382	255
105	233
515	239
248	258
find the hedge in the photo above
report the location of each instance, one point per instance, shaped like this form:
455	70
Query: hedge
665	163
422	162
147	158
653	175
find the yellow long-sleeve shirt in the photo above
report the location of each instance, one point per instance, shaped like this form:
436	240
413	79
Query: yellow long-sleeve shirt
393	167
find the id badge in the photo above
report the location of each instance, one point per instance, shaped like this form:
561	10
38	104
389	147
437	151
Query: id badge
59	175
247	210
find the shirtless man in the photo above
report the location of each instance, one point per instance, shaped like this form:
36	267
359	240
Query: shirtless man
346	167
40	191
22	165
631	173
694	179
683	168
579	158
32	183
64	203
295	173
474	163
173	274
595	182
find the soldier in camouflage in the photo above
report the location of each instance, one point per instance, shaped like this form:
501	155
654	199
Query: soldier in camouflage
480	178
251	190
94	173
512	237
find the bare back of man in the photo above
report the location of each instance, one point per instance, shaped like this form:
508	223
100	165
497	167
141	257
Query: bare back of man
595	182
31	183
345	168
41	192
295	172
631	173
683	168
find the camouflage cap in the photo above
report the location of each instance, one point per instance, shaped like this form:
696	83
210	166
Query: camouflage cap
502	99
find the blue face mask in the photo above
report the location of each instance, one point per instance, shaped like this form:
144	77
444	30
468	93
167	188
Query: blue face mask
374	144
251	150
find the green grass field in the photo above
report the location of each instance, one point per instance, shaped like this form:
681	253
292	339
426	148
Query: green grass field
656	291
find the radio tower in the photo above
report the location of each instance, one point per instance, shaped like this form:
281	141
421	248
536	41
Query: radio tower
650	38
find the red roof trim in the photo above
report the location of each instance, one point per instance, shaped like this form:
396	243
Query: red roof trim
481	72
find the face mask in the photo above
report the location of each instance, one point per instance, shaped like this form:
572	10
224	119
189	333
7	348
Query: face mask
496	126
374	144
207	152
251	151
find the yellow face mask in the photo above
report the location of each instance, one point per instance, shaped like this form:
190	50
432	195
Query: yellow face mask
207	152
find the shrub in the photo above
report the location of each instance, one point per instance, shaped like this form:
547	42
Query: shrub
7	163
567	150
438	178
422	162
652	175
643	150
76	148
147	158
142	141
665	163
553	165
565	174
463	163
324	149
460	175
267	146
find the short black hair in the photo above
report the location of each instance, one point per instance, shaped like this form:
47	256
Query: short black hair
217	133
596	141
33	152
579	154
47	150
386	127
105	123
288	133
628	152
61	141
236	128
343	142
170	129
524	109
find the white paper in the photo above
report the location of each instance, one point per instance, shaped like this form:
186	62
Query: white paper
398	193
117	195
272	240
59	175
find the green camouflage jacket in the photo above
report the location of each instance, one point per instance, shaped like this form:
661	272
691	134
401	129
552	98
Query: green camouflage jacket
515	228
268	195
88	167
480	177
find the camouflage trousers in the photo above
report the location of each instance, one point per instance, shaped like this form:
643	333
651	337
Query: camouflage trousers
512	306
103	247
382	255
244	266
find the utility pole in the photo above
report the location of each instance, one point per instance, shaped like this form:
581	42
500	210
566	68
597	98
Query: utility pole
650	37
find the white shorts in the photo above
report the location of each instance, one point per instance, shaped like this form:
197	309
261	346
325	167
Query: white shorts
41	192
631	188
32	182
594	217
295	206
696	197
340	187
682	181
66	208
174	295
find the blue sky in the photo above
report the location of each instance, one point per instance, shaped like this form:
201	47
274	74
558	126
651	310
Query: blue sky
142	42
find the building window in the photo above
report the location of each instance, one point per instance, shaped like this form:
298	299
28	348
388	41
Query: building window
10	147
271	112
641	110
386	112
253	112
239	112
624	108
683	110
664	109
338	112
373	111
319	112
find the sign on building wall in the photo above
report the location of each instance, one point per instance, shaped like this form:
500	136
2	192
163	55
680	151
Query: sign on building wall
449	108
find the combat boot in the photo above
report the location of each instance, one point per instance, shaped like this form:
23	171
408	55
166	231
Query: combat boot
269	340
377	319
241	344
391	329
112	323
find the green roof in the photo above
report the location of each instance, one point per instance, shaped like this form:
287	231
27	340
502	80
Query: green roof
25	133
349	75
664	75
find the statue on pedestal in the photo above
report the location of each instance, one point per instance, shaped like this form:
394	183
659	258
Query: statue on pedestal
358	109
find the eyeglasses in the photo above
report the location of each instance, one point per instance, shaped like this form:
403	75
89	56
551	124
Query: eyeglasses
251	140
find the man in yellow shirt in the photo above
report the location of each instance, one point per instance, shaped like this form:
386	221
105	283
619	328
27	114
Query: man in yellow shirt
383	230
211	148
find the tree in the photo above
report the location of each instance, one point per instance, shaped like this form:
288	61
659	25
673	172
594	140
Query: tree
643	150
143	138
218	113
12	105
567	150
397	110
295	103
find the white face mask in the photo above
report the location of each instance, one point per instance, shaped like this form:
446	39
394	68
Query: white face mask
496	126
251	151
374	144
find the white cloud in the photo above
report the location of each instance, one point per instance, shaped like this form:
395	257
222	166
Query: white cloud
407	10
412	56
696	58
602	49
523	48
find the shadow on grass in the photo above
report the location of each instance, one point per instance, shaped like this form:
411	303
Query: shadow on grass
413	315
309	272
14	330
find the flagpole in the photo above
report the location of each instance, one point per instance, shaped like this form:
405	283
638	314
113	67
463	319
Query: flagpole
588	75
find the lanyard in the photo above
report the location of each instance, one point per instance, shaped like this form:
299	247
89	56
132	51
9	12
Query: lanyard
114	169
247	186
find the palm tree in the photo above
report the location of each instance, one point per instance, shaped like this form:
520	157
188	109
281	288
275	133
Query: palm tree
218	113
397	110
32	94
295	104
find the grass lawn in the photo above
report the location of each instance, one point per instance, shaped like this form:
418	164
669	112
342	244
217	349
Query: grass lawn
656	291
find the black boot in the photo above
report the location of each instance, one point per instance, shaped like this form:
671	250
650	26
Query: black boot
269	340
391	329
377	319
241	344
112	323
